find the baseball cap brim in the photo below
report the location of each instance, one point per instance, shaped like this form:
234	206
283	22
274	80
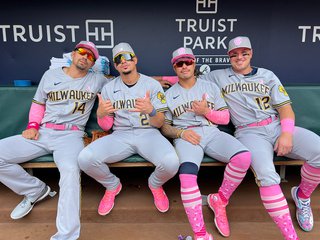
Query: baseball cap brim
89	47
182	57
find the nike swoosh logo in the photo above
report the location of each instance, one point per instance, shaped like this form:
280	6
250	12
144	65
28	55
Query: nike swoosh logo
176	96
116	91
56	83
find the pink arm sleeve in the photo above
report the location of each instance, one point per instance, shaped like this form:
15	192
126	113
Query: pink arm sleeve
171	79
219	117
36	113
105	123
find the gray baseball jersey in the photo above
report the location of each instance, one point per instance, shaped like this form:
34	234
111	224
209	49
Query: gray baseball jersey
250	98
132	134
255	97
68	100
213	141
180	99
123	98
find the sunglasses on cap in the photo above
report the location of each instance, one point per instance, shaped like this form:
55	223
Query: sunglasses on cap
83	51
186	62
123	56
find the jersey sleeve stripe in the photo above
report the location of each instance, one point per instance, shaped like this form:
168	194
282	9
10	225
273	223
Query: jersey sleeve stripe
34	101
167	121
281	104
162	109
223	108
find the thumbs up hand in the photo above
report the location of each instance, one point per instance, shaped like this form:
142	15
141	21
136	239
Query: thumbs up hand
143	105
200	107
105	107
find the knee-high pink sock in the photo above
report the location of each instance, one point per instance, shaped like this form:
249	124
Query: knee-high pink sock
277	207
233	175
192	202
310	179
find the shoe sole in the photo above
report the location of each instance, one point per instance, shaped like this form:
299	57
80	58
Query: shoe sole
294	197
106	213
32	205
214	219
163	211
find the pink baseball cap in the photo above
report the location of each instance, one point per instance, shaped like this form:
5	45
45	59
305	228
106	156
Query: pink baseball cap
90	46
182	52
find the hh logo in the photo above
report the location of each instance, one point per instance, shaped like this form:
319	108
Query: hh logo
207	6
100	32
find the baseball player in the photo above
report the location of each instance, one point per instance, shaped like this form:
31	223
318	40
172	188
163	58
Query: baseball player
133	105
58	114
195	109
261	111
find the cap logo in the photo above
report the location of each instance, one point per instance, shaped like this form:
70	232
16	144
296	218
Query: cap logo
91	44
238	41
181	51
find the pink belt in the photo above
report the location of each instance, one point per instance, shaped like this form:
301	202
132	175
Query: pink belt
264	122
61	127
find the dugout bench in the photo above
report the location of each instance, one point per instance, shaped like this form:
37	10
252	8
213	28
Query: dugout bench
15	103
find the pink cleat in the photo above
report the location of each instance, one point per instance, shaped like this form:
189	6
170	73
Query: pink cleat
220	215
208	236
160	199
107	202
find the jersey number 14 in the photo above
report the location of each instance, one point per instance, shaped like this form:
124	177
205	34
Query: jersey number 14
79	107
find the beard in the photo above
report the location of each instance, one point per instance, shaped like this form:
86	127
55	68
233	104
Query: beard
127	73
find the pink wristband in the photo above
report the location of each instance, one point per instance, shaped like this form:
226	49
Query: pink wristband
171	79
287	125
34	125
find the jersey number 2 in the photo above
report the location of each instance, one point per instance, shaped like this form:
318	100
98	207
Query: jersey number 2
79	107
144	121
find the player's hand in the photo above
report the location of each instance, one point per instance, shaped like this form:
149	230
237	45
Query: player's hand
191	136
284	144
143	105
31	133
200	108
105	107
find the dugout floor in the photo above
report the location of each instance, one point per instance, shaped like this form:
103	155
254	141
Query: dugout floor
134	216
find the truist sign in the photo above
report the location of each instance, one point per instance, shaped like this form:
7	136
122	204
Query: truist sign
98	31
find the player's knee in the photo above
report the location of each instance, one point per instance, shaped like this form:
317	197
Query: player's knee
267	178
85	158
189	168
241	160
171	163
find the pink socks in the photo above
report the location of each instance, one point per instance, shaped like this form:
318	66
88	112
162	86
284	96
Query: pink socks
310	179
192	202
233	175
277	207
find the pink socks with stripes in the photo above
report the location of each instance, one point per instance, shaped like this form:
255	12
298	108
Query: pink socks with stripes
310	179
192	202
233	175
277	207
